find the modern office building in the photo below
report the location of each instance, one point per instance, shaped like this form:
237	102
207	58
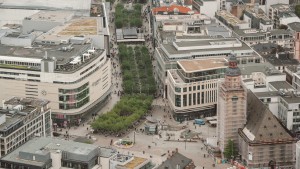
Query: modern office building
295	30
257	18
232	105
168	53
47	153
281	37
22	119
67	65
258	77
264	142
208	8
231	21
281	14
192	88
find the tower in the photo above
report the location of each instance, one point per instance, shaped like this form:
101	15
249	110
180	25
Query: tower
231	109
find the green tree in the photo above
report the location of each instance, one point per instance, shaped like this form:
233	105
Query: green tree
230	151
297	10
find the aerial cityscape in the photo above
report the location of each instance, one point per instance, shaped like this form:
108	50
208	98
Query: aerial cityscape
150	84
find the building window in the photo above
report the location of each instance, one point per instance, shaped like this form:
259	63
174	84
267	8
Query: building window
190	88
234	98
178	100
184	89
184	100
177	89
194	98
190	99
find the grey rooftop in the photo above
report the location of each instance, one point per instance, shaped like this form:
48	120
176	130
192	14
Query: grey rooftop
266	68
42	146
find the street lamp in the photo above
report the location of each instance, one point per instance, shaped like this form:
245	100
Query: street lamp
134	137
185	141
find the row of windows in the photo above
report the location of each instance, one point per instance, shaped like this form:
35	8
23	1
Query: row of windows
195	88
70	91
16	74
19	63
75	97
196	98
85	76
67	106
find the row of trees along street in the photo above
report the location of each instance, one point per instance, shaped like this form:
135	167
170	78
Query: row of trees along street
139	87
128	18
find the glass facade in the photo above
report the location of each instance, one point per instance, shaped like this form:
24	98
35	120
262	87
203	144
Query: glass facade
73	98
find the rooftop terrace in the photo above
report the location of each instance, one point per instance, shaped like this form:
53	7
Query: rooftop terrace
203	64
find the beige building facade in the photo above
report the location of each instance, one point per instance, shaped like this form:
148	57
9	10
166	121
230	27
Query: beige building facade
71	93
192	88
231	110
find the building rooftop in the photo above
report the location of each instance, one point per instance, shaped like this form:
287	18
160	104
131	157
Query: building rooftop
54	16
63	54
266	68
295	26
281	7
291	98
203	64
135	163
173	161
267	94
41	146
281	85
205	45
172	9
281	59
258	14
231	19
262	126
258	32
15	110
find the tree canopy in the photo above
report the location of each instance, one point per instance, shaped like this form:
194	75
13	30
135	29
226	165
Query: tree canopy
138	85
128	18
297	10
230	151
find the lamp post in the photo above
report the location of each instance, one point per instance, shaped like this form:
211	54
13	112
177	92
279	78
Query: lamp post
185	141
134	137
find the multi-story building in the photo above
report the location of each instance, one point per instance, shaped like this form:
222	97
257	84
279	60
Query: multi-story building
258	77
122	161
264	142
257	18
298	153
281	14
231	21
192	88
295	30
22	119
47	153
232	101
206	7
73	72
280	37
168	53
296	79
